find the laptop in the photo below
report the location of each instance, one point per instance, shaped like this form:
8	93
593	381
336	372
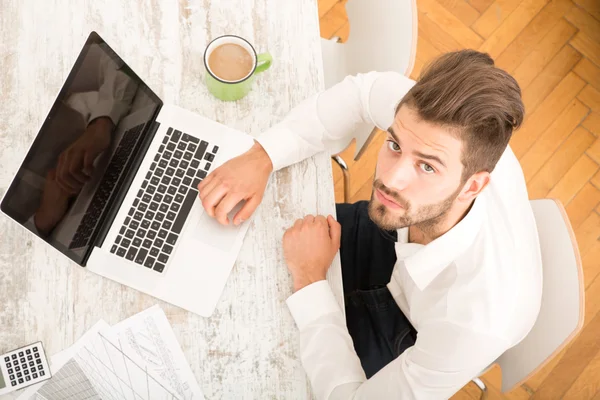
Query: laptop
137	219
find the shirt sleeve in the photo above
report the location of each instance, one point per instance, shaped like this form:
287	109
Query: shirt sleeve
444	358
116	91
331	119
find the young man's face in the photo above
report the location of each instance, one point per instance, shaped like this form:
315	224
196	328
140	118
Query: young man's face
418	174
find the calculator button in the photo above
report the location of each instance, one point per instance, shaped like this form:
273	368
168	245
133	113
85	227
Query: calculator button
19	374
37	355
35	348
12	377
42	373
35	376
29	358
8	365
20	354
27	378
10	370
32	368
31	363
38	361
6	359
17	368
14	383
22	360
14	356
21	380
28	351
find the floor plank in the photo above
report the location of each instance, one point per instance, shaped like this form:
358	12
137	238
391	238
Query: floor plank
533	33
587	384
592	123
587	46
365	192
550	76
343	33
590	97
538	379
589	72
572	364
550	139
540	56
592	299
596	180
491	19
480	5
539	121
584	22
591	264
591	6
588	232
452	25
461	9
594	151
559	164
333	20
573	181
583	204
436	35
512	27
324	6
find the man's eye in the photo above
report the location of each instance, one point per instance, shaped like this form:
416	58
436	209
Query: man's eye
427	168
393	146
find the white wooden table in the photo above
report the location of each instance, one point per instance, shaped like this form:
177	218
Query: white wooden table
249	348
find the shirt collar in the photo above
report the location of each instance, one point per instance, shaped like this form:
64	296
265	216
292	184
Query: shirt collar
425	263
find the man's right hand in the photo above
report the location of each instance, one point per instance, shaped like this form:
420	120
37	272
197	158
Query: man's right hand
242	178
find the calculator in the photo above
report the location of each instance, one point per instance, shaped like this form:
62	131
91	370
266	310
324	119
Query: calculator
23	367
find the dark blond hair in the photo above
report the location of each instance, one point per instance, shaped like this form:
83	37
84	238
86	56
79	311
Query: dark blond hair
464	92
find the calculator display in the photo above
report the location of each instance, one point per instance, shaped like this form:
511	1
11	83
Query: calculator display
2	384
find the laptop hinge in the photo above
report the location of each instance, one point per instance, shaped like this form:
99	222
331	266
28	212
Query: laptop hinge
114	204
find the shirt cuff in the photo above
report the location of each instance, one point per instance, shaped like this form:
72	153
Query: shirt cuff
279	142
115	110
311	303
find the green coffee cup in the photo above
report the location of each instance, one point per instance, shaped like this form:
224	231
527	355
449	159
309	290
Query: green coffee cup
231	90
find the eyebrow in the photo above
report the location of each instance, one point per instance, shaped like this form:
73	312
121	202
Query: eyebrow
417	153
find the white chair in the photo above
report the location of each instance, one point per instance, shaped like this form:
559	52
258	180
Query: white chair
562	311
383	37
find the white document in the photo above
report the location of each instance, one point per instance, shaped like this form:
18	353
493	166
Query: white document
137	359
149	335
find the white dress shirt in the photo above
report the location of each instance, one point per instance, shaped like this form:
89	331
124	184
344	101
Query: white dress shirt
471	294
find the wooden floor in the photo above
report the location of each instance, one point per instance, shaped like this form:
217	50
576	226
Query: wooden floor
553	49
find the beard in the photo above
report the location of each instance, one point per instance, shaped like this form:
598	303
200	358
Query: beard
426	216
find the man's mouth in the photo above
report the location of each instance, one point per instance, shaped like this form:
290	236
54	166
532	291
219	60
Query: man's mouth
386	200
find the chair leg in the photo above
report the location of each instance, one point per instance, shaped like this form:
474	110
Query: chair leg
481	385
346	175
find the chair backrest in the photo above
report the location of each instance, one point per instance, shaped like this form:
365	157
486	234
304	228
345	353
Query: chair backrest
562	310
383	37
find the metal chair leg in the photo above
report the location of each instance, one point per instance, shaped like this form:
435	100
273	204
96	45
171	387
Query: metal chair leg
481	385
340	161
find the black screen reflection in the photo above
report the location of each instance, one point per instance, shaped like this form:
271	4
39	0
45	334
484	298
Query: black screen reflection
79	155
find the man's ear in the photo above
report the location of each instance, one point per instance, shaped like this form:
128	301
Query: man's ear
474	185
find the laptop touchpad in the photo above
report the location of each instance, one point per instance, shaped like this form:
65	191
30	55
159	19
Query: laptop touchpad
211	232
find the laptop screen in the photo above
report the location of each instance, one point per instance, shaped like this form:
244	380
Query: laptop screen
78	162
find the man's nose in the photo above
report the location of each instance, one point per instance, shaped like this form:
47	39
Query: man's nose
399	176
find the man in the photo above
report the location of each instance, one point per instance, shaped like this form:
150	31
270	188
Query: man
446	247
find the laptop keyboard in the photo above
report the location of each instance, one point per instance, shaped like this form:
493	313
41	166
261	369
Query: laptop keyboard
105	188
154	221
